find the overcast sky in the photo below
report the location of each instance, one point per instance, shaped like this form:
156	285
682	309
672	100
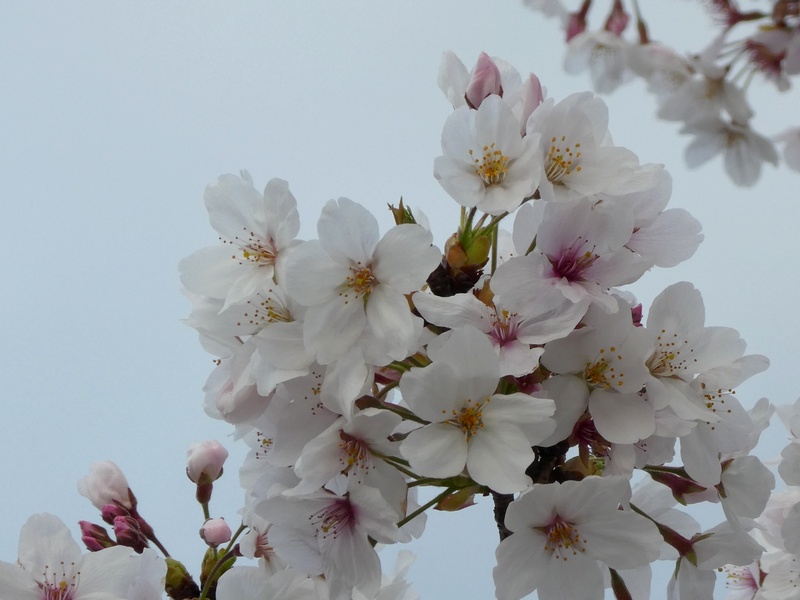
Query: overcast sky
115	116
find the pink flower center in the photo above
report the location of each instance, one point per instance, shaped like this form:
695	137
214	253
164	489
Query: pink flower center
338	516
573	262
59	587
355	454
504	328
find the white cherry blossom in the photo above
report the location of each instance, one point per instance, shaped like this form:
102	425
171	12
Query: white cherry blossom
564	532
470	425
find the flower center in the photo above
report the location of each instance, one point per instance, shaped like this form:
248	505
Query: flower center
562	162
256	250
493	166
504	327
601	373
359	283
332	519
355	453
563	539
574	261
59	587
470	418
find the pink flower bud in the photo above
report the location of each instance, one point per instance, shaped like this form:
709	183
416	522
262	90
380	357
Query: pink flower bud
532	97
106	484
215	532
618	19
576	24
204	461
112	511
95	537
129	534
485	81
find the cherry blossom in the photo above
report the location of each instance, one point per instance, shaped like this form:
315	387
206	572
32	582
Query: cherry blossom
50	565
564	532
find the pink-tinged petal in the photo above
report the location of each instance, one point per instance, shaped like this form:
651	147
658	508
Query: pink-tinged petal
312	277
404	257
348	232
498	456
622	539
331	330
280	210
234	207
521	565
622	418
436	450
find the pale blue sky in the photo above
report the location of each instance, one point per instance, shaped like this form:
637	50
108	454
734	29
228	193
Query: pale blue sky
114	116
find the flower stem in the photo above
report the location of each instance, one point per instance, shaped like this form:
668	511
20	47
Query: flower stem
426	506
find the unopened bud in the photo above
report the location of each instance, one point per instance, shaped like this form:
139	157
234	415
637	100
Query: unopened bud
215	532
178	583
128	533
95	537
618	19
106	484
111	511
485	81
204	461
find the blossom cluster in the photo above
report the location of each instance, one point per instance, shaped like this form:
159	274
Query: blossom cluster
705	92
510	363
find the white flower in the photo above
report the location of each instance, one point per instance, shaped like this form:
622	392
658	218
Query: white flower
327	533
255	231
562	532
471	426
609	354
791	149
355	284
743	149
575	152
486	163
106	484
511	331
603	54
580	253
51	567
